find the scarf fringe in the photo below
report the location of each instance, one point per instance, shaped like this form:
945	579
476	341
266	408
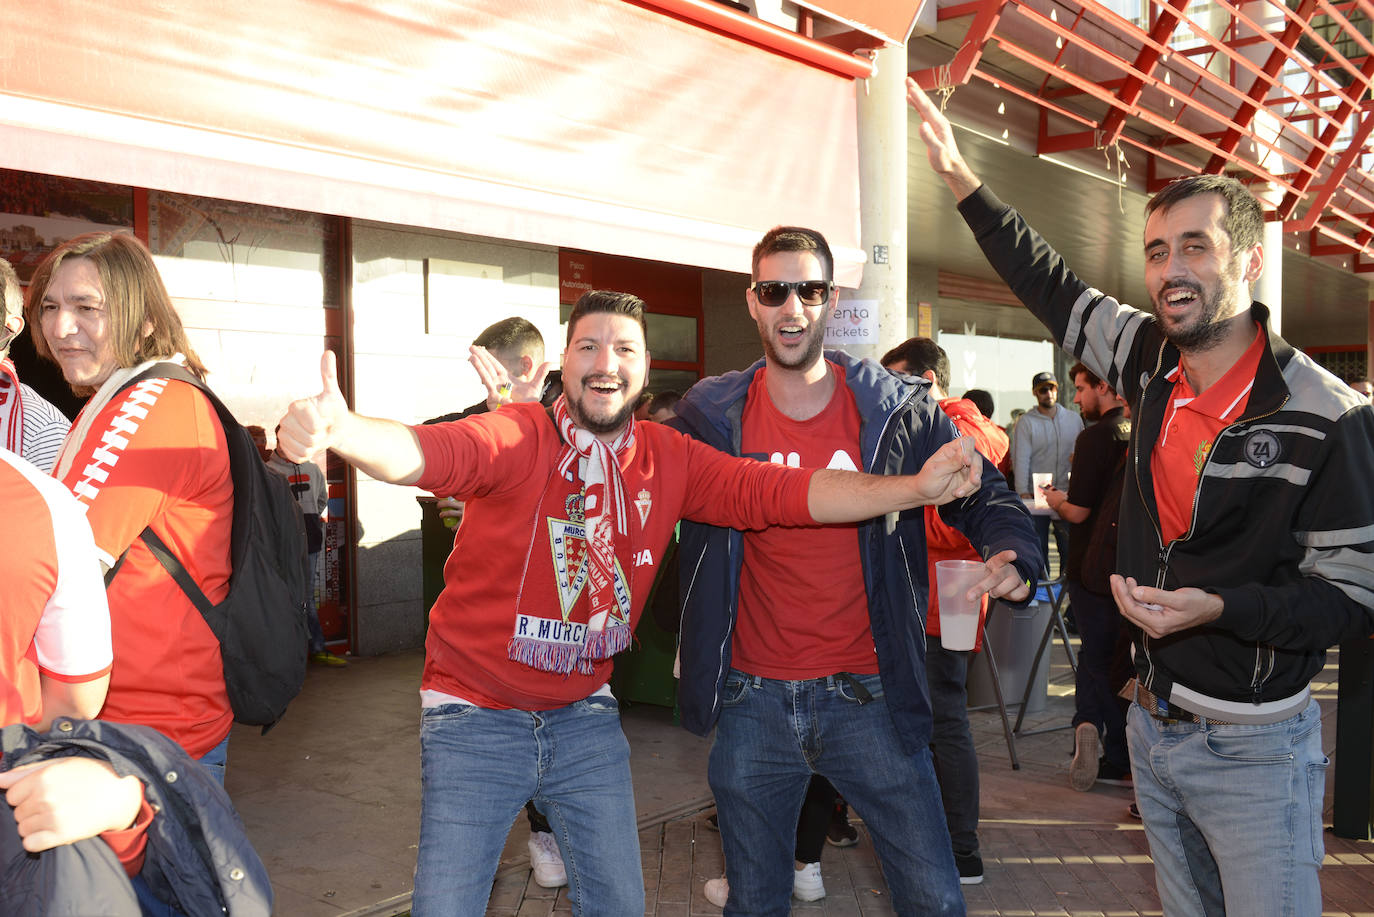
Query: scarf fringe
563	658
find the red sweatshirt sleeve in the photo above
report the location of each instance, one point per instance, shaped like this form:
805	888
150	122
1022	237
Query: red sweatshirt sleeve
741	493
131	843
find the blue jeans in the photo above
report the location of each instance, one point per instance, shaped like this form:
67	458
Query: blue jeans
771	737
1233	813
478	768
312	611
1094	696
951	742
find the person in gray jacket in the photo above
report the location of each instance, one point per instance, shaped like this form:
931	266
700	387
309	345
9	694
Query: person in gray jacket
1042	443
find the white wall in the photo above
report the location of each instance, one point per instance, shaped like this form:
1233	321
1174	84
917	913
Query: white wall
403	372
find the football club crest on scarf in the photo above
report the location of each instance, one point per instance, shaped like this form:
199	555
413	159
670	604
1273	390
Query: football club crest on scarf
593	591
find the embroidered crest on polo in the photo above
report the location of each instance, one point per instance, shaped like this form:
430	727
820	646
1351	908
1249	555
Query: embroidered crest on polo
643	503
1261	448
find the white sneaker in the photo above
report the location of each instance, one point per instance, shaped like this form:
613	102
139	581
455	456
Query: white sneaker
718	891
807	884
546	861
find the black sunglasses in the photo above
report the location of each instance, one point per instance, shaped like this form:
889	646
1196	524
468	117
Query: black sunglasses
775	292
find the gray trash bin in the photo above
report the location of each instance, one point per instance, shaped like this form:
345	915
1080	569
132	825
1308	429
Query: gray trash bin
1014	635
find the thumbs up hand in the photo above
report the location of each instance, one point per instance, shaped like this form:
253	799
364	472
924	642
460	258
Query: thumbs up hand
312	424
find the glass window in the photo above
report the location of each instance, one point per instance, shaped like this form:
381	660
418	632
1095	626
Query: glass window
235	252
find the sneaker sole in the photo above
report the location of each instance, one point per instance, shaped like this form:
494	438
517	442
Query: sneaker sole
1083	769
808	894
550	883
1116	781
970	880
843	842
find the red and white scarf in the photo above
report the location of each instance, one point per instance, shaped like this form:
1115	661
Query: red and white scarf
11	408
606	521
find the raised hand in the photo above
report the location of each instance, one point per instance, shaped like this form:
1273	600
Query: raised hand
501	388
312	424
941	149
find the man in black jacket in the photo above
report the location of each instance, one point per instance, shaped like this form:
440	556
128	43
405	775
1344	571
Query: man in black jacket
1246	528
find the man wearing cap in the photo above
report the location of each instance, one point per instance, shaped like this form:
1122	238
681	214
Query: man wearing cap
29	425
1042	443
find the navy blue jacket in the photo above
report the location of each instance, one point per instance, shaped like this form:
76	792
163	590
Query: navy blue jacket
197	856
901	427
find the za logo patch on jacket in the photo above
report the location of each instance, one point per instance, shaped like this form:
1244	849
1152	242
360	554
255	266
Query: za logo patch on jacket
1261	448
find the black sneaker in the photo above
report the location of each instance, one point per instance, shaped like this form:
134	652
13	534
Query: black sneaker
1133	810
841	833
1109	773
970	868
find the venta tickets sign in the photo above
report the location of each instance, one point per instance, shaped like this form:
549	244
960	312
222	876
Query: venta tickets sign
852	321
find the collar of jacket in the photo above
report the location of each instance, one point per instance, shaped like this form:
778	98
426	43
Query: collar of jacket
1269	391
713	409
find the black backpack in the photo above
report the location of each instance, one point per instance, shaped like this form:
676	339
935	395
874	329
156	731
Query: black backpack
261	624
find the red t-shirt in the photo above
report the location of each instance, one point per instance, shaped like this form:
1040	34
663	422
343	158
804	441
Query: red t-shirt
803	609
1191	424
519	558
53	615
156	455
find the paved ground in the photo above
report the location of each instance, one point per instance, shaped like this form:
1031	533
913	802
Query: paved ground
331	800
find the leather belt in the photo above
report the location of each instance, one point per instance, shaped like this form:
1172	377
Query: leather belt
1170	712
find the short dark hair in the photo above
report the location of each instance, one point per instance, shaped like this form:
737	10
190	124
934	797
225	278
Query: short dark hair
1093	378
982	400
793	239
664	401
1244	220
921	355
610	301
513	337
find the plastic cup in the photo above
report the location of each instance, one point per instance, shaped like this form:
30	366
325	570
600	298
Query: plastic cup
1041	481
958	615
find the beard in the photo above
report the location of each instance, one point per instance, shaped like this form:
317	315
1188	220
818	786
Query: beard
814	336
603	424
1204	330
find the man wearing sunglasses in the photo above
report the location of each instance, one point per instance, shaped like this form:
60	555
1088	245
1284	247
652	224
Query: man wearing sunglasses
804	646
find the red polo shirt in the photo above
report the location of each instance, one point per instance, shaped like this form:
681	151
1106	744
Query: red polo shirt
1191	424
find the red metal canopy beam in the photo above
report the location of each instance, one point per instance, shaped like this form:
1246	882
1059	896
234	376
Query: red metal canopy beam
986	15
1273	66
1145	61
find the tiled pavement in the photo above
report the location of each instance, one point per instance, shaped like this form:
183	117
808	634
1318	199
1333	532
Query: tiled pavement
331	797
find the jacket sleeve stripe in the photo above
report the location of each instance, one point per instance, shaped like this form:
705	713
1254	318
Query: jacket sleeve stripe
1337	537
1347	569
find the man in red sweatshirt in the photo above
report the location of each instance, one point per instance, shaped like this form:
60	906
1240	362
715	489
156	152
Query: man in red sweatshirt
568	513
956	763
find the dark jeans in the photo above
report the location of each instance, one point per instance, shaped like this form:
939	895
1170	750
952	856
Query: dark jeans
1095	700
951	743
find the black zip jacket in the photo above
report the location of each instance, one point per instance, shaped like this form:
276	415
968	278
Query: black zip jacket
1283	520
